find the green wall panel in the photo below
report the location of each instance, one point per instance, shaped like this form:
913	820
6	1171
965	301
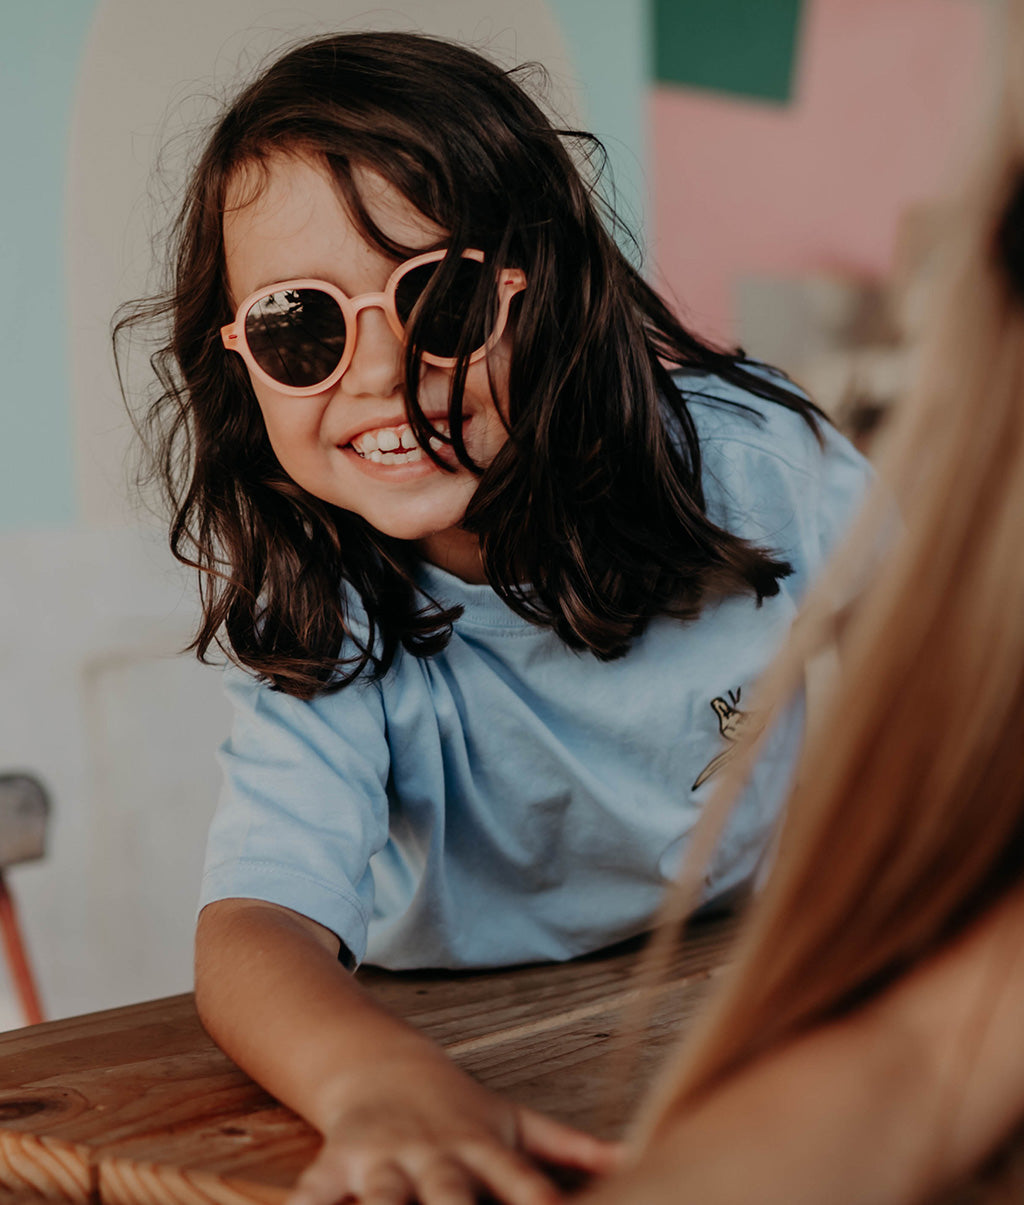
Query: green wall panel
746	47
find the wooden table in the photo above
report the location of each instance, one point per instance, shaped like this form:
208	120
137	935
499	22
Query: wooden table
136	1106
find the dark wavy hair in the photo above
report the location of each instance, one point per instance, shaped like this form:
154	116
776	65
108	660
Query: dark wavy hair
591	518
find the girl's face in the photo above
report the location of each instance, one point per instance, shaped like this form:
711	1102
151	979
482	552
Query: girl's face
297	227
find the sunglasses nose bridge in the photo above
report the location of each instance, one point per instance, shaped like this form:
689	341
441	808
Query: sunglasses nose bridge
378	370
369	301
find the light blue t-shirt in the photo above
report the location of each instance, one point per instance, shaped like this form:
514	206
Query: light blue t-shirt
508	799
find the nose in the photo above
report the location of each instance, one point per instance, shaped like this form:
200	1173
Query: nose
376	367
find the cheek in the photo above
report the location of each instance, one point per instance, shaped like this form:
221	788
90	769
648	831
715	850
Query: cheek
291	425
487	380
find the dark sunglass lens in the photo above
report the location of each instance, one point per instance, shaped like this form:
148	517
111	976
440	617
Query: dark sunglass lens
296	336
450	321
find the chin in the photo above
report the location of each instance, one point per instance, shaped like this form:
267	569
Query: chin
414	528
419	519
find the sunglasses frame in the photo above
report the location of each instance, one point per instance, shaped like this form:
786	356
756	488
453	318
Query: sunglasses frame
510	282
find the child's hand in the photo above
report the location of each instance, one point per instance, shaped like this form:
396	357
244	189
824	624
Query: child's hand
421	1130
401	1122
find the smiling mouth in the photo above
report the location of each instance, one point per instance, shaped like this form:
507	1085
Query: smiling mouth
395	445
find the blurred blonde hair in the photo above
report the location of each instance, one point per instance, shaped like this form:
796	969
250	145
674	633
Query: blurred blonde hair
908	815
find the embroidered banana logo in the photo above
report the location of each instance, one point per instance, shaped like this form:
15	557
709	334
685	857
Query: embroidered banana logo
732	724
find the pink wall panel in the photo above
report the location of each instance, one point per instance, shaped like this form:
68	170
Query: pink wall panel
885	92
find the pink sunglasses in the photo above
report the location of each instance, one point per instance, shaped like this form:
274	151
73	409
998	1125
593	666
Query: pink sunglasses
298	336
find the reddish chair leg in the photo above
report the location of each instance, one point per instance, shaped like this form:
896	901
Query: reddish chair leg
17	959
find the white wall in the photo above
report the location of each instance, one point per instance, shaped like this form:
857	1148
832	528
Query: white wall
123	732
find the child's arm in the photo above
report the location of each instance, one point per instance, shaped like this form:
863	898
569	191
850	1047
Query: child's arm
885	1107
400	1120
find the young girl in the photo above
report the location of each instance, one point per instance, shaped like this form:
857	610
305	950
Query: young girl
866	1045
496	547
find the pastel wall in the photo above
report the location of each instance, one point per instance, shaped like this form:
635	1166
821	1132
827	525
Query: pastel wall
884	92
608	43
40	47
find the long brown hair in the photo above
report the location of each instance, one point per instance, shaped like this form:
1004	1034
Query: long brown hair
908	815
591	500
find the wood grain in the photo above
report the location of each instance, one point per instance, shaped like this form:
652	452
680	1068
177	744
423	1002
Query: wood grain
12	1197
136	1106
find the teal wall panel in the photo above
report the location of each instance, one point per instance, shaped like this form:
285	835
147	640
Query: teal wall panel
608	41
40	48
747	47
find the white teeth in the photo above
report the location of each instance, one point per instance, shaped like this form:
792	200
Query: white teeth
395	445
399	457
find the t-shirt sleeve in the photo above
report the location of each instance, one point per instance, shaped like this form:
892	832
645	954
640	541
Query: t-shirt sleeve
770	481
303	805
843	484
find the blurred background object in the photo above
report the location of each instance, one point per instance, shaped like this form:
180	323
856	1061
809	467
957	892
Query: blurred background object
24	811
777	159
849	339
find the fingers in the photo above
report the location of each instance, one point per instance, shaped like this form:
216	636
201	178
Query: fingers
425	1176
507	1176
383	1184
553	1142
452	1173
370	1182
443	1181
324	1182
